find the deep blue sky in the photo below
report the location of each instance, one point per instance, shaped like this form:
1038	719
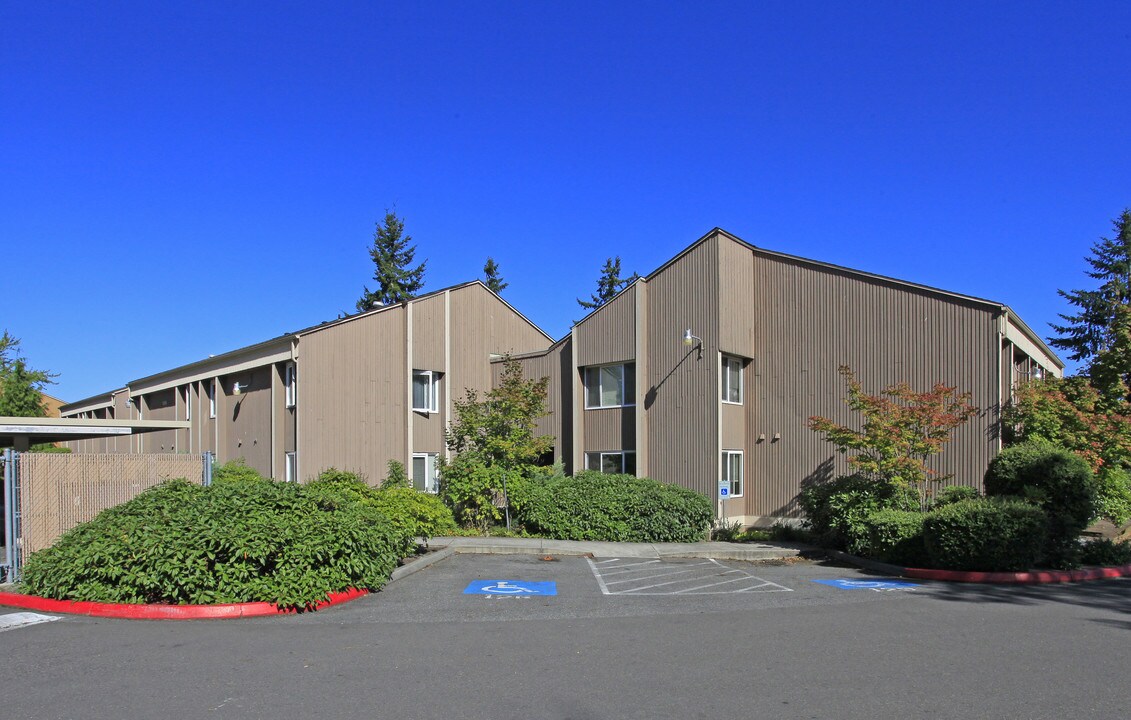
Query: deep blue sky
181	182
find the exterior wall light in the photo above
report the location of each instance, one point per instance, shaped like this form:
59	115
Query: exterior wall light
238	389
689	339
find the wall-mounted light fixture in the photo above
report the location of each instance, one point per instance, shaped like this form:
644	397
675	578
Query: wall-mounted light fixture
237	388
689	340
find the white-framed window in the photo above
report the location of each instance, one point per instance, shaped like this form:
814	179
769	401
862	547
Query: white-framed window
732	380
188	402
611	462
290	382
609	386
425	391
424	472
732	471
212	398
291	467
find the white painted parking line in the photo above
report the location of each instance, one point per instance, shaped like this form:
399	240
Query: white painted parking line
679	578
11	621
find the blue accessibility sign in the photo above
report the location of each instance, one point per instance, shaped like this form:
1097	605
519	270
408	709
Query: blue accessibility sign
511	588
876	585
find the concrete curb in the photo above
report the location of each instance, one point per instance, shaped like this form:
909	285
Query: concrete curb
1038	577
165	612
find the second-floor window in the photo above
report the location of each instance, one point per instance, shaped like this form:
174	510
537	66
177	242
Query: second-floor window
425	391
610	385
290	382
732	380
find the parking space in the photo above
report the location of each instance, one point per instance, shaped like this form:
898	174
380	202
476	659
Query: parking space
501	588
633	576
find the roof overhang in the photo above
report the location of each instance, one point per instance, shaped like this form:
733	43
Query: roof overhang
19	432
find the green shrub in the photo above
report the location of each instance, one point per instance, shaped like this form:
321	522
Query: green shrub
236	471
1113	494
236	541
594	506
1105	552
896	536
835	510
990	534
1058	481
413	514
396	477
477	493
954	493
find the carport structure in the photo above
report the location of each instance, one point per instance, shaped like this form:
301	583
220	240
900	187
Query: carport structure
45	494
21	433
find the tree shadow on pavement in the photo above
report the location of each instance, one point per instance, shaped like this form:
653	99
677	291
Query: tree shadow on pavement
1110	595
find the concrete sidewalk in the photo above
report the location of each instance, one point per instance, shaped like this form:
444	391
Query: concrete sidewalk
444	547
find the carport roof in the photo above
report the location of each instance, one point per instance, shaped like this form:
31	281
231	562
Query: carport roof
15	431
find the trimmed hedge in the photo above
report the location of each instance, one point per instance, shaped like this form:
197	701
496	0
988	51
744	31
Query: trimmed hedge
836	510
1058	481
896	536
238	541
619	508
985	534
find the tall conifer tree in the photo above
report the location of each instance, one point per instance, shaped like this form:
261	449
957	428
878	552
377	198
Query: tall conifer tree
396	276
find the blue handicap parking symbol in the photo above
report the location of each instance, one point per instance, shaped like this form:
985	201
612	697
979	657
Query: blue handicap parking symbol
511	588
877	585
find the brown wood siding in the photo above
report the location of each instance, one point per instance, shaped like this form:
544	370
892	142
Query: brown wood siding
737	314
610	429
734	435
609	336
352	394
245	420
160	406
812	320
428	334
680	401
428	432
556	422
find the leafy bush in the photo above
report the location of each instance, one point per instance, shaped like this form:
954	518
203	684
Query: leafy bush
236	541
1105	552
397	477
835	510
954	493
476	491
236	471
896	536
1058	481
1113	494
594	506
991	534
413	514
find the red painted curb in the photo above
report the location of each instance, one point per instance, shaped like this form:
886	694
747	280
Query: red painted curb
1020	578
165	612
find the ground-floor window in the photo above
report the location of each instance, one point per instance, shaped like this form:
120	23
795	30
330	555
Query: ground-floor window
424	472
732	471
291	471
611	462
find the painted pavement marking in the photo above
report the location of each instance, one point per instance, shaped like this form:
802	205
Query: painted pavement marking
874	585
706	577
511	588
12	621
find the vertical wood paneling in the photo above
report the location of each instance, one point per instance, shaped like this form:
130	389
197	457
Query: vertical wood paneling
814	319
681	382
610	429
609	336
245	423
352	395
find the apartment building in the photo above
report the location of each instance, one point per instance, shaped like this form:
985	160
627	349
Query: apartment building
702	373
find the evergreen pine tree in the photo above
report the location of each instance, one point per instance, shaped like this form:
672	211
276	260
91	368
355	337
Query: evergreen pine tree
397	279
608	285
21	388
1094	328
492	279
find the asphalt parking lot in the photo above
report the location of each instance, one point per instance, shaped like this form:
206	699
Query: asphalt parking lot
670	639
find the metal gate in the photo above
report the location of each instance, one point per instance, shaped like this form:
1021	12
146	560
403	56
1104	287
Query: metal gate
47	494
